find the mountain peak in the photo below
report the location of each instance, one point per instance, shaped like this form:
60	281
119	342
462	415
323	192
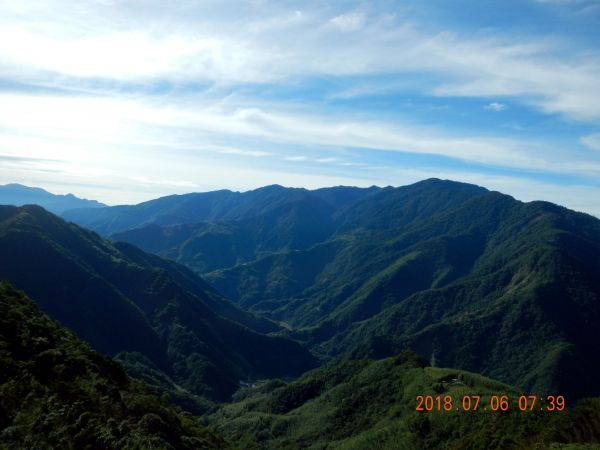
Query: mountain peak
18	195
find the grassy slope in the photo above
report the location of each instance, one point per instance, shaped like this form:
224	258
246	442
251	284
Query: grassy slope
371	404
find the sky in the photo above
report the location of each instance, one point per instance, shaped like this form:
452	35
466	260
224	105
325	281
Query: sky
124	101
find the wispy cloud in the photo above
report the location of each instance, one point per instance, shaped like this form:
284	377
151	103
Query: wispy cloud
591	141
163	182
295	158
81	43
239	151
134	123
349	22
495	106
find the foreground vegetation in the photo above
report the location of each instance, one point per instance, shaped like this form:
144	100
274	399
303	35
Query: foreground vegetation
56	393
371	404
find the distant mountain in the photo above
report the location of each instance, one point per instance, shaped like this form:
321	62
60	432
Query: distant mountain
371	405
471	278
260	209
55	392
19	195
151	312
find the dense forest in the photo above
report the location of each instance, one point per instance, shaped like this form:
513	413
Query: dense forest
56	392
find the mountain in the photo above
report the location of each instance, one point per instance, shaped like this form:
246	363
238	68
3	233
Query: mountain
157	316
300	215
371	404
19	195
471	278
55	392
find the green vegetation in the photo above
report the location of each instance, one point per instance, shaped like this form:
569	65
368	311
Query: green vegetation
279	219
473	278
55	392
478	280
125	301
467	278
371	404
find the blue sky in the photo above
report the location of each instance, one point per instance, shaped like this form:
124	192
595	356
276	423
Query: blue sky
126	101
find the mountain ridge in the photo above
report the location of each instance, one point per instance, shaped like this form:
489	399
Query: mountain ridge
19	195
409	267
123	300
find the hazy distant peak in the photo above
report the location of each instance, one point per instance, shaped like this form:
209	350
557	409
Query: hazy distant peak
19	195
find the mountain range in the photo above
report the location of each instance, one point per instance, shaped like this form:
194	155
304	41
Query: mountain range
199	294
19	195
469	278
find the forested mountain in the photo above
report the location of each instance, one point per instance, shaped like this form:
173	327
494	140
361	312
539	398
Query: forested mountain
465	277
371	405
156	315
471	278
19	195
302	216
55	392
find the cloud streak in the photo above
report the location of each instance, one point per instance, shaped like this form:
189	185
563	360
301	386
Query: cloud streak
495	106
133	123
591	141
83	44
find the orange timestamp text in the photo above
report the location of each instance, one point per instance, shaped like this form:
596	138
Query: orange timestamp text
493	403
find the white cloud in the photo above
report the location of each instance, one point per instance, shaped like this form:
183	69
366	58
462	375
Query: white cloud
349	22
237	42
591	141
85	128
243	152
495	106
163	182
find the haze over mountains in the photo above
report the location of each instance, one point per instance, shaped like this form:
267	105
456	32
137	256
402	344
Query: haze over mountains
279	280
19	195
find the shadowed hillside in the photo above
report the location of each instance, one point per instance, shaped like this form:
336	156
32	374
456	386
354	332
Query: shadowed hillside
55	392
121	299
